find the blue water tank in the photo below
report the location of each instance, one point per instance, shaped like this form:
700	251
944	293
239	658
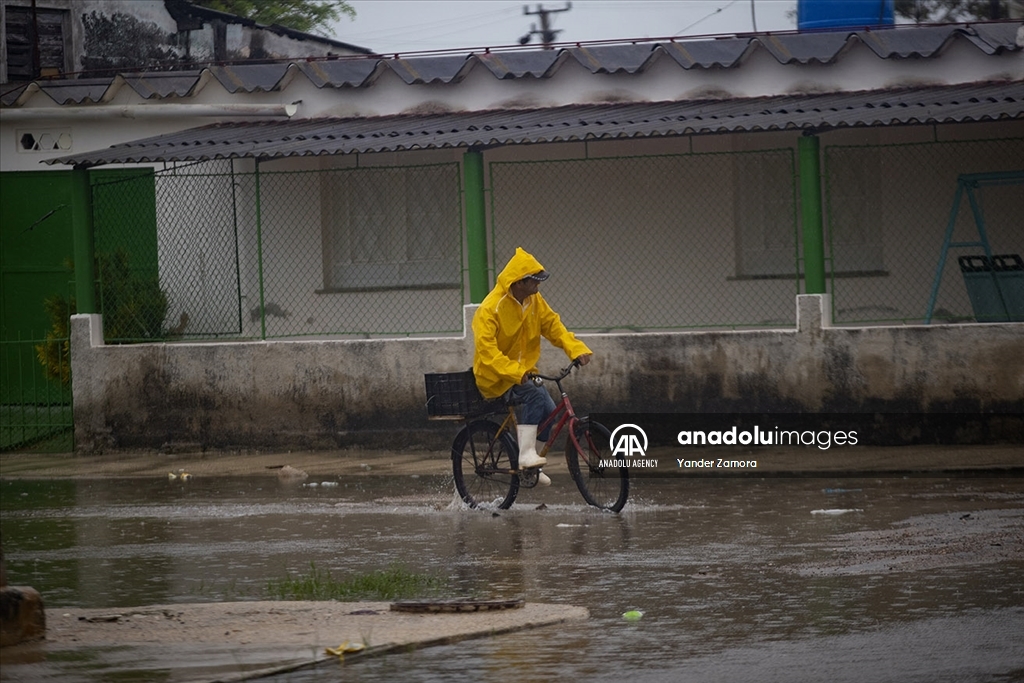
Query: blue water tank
816	15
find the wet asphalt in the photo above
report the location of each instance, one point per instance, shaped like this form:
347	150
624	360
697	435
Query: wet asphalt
870	578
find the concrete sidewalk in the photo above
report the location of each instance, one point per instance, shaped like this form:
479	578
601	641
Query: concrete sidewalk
245	640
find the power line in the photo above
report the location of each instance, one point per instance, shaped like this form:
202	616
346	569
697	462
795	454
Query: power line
434	29
411	27
702	19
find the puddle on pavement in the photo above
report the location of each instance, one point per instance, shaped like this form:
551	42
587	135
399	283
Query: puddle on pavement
736	578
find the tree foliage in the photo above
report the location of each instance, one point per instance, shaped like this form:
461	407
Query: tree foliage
309	16
950	11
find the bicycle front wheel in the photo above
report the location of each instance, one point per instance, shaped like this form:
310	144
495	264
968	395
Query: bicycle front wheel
601	486
482	465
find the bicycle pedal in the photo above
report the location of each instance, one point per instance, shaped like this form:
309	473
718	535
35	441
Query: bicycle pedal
528	478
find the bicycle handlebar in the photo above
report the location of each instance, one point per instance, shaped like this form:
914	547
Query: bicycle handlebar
563	373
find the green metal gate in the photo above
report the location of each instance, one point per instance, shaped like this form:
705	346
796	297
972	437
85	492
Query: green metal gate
35	410
35	255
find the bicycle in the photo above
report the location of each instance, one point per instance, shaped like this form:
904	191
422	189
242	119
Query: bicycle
485	455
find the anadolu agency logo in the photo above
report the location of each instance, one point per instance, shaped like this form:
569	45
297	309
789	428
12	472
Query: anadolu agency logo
629	448
628	440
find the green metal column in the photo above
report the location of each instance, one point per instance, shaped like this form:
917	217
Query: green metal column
84	248
810	214
476	224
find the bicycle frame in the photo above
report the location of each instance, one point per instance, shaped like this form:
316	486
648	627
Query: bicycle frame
485	464
563	413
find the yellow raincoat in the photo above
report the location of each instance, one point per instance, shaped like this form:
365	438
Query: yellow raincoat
507	334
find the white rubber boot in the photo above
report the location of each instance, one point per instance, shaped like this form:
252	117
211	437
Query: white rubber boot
527	450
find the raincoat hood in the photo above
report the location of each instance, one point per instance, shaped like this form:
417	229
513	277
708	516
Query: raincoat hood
519	266
507	332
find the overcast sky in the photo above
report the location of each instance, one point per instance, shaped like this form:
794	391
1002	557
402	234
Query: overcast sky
388	26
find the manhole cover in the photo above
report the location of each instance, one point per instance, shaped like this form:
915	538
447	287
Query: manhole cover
455	605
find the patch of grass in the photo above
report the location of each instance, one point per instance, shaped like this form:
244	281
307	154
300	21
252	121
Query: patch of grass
394	582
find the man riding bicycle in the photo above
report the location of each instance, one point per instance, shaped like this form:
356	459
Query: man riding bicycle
507	329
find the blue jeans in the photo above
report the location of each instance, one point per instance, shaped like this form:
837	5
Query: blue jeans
533	404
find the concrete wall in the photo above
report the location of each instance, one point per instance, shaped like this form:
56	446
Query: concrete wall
330	394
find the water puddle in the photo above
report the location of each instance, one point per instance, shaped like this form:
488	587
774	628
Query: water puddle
736	579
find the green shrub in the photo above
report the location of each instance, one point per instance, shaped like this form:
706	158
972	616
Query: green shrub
133	307
55	352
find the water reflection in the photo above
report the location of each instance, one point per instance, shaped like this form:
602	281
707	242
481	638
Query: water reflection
737	578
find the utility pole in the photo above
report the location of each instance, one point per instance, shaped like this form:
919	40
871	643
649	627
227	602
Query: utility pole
547	35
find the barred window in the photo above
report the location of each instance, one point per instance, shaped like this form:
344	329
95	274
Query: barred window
392	228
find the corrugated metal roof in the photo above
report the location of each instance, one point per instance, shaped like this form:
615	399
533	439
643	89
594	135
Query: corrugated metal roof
804	48
444	69
925	41
312	137
609	59
342	73
825	47
250	77
162	84
74	91
709	54
996	34
12	95
535	63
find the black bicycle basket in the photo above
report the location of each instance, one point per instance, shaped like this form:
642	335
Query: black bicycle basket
453	396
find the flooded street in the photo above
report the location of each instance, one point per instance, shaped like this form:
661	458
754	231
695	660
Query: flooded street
738	579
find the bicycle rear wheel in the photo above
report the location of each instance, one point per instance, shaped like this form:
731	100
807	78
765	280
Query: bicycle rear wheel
603	487
482	465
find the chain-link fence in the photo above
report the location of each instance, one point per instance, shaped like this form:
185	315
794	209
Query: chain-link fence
888	209
657	242
260	254
301	248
